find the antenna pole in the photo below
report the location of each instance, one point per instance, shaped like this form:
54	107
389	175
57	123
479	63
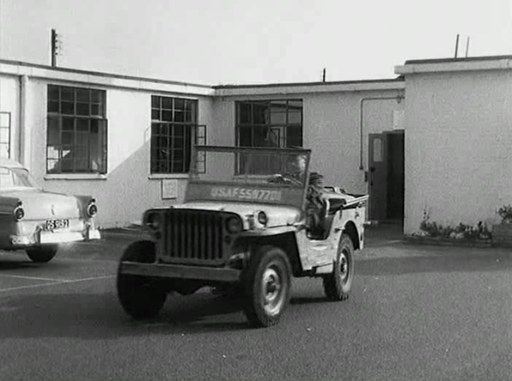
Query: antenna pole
467	46
457	45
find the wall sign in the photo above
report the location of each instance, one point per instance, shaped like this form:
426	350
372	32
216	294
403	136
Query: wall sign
169	189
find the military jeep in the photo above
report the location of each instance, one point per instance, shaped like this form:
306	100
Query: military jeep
243	225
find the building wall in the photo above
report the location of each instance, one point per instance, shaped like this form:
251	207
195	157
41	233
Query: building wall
10	102
128	188
331	129
457	146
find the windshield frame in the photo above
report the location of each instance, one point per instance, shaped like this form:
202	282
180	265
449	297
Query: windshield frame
266	192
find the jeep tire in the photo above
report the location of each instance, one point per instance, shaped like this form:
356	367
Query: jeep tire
42	254
266	283
337	284
140	296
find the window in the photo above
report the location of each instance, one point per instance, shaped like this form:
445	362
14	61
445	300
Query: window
77	130
271	123
5	134
173	131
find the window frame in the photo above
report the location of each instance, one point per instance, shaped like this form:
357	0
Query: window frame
280	130
169	115
64	109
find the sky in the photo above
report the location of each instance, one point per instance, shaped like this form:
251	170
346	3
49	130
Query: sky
215	42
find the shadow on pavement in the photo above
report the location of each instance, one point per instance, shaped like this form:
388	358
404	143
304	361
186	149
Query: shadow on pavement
99	316
464	262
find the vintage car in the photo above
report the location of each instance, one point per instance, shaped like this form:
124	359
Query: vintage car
38	221
244	224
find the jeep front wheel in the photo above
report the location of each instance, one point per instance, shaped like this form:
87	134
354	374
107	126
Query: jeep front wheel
266	286
140	296
337	284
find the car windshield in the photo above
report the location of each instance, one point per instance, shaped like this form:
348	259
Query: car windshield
248	174
15	178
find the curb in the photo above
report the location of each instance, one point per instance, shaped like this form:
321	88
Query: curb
437	241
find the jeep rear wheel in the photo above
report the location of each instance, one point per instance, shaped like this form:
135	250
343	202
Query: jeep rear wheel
337	284
42	254
266	286
140	296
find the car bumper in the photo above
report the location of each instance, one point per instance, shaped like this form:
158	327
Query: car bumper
180	271
53	237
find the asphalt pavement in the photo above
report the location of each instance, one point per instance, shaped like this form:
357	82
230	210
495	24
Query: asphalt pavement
415	313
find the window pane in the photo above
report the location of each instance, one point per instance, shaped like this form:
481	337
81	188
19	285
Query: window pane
82	108
155	114
167	116
67	94
68	108
53	106
179	116
244	112
155	101
82	125
294	117
53	93
260	114
53	132
167	103
278	118
68	124
96	110
83	95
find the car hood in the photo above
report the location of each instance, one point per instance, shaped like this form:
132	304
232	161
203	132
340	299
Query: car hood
38	204
277	215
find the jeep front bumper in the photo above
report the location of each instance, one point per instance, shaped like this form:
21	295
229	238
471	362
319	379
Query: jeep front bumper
222	274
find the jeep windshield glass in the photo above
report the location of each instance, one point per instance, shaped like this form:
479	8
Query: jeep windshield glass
248	174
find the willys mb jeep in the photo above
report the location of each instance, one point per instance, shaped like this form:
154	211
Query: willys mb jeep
243	223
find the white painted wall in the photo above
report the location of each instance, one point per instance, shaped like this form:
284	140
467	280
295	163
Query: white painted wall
458	146
128	188
331	129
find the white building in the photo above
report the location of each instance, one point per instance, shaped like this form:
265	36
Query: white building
436	139
126	140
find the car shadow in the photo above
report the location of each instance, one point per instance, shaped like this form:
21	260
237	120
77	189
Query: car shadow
94	316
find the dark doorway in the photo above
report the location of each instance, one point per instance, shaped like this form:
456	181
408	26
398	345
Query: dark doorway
386	176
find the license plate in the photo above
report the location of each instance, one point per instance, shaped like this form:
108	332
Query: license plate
56	224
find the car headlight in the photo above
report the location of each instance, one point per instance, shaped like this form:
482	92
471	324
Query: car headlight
153	221
233	225
262	218
18	212
92	209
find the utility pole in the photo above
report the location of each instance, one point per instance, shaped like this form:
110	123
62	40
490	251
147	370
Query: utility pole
55	46
323	75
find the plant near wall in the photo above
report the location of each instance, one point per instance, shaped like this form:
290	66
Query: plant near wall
479	231
505	212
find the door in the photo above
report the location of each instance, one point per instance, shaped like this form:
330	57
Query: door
377	177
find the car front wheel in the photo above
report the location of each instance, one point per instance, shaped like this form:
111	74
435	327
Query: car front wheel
266	286
337	284
42	254
140	296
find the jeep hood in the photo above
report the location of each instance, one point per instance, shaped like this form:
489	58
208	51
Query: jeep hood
277	215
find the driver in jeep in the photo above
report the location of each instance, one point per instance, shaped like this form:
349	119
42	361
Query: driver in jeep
315	207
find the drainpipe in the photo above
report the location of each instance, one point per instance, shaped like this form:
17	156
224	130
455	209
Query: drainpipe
398	99
24	134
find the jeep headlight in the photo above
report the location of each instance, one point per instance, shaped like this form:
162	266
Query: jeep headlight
262	218
153	220
233	225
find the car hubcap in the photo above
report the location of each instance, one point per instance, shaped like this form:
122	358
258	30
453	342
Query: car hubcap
343	266
272	291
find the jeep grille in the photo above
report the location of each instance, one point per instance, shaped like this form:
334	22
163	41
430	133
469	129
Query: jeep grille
194	237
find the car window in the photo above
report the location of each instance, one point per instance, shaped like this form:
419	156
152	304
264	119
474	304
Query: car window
14	178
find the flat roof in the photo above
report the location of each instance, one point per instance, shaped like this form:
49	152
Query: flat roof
463	64
319	83
458	59
119	80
